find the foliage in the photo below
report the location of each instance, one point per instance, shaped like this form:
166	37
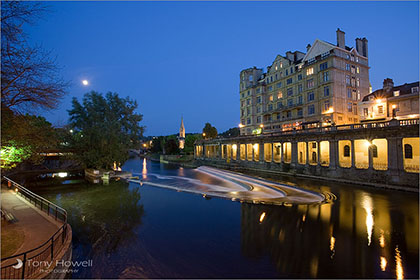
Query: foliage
171	146
157	145
104	129
231	132
29	76
209	131
24	137
189	142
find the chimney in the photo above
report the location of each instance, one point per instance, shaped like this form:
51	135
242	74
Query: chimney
365	47
308	47
359	46
388	85
341	43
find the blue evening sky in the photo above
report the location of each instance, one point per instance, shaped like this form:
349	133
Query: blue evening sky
184	58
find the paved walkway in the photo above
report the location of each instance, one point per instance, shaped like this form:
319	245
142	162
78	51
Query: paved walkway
37	227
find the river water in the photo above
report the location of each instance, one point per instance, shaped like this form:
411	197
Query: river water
130	230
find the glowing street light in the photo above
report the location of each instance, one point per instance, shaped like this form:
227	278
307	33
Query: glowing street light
241	125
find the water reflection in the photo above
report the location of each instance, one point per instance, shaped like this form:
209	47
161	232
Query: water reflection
144	170
398	263
367	205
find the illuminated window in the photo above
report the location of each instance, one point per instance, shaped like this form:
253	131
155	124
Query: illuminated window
270	97
365	112
380	109
279	95
397	93
357	70
309	71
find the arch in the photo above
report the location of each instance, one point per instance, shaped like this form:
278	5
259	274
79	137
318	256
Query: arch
346	152
408	151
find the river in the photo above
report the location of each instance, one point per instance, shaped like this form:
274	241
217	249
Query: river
130	230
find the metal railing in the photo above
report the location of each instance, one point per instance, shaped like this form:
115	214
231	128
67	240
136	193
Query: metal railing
19	265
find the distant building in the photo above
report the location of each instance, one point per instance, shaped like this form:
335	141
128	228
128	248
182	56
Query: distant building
321	87
399	102
181	137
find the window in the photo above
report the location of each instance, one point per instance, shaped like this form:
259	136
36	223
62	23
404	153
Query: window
276	75
250	78
287	72
249	93
300	100
374	151
258	99
323	66
289	91
408	151
258	119
290	102
289	114
353	82
310	83
325	76
279	105
243	122
326	105
314	157
380	109
258	109
271	79
248	121
258	90
349	93
279	95
270	97
347	80
299	77
291	70
311	109
366	112
242	103
353	69
326	91
270	88
278	85
300	88
397	93
346	152
248	111
311	96
347	67
352	58
414	89
357	82
270	107
243	95
242	113
309	71
248	101
355	110
358	70
354	94
300	112
289	81
349	107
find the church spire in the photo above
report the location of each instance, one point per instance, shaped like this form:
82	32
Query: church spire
182	134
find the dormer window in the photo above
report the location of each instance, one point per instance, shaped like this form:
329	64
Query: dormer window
397	93
414	89
281	64
309	71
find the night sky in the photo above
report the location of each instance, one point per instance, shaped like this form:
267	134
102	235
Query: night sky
184	58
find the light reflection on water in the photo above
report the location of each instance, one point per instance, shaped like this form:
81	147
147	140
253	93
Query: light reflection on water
133	231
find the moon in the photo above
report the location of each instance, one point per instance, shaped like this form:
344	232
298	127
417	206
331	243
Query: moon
19	264
85	82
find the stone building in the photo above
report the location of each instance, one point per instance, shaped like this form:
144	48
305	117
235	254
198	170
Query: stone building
400	102
181	137
319	88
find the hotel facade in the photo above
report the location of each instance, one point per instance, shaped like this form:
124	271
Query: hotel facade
319	88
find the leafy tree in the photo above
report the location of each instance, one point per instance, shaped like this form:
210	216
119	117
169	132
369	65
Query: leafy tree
23	137
104	129
209	131
189	142
171	146
29	76
157	145
231	132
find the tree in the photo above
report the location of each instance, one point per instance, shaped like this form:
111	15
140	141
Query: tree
157	145
29	76
209	131
231	132
24	137
171	146
189	143
104	129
